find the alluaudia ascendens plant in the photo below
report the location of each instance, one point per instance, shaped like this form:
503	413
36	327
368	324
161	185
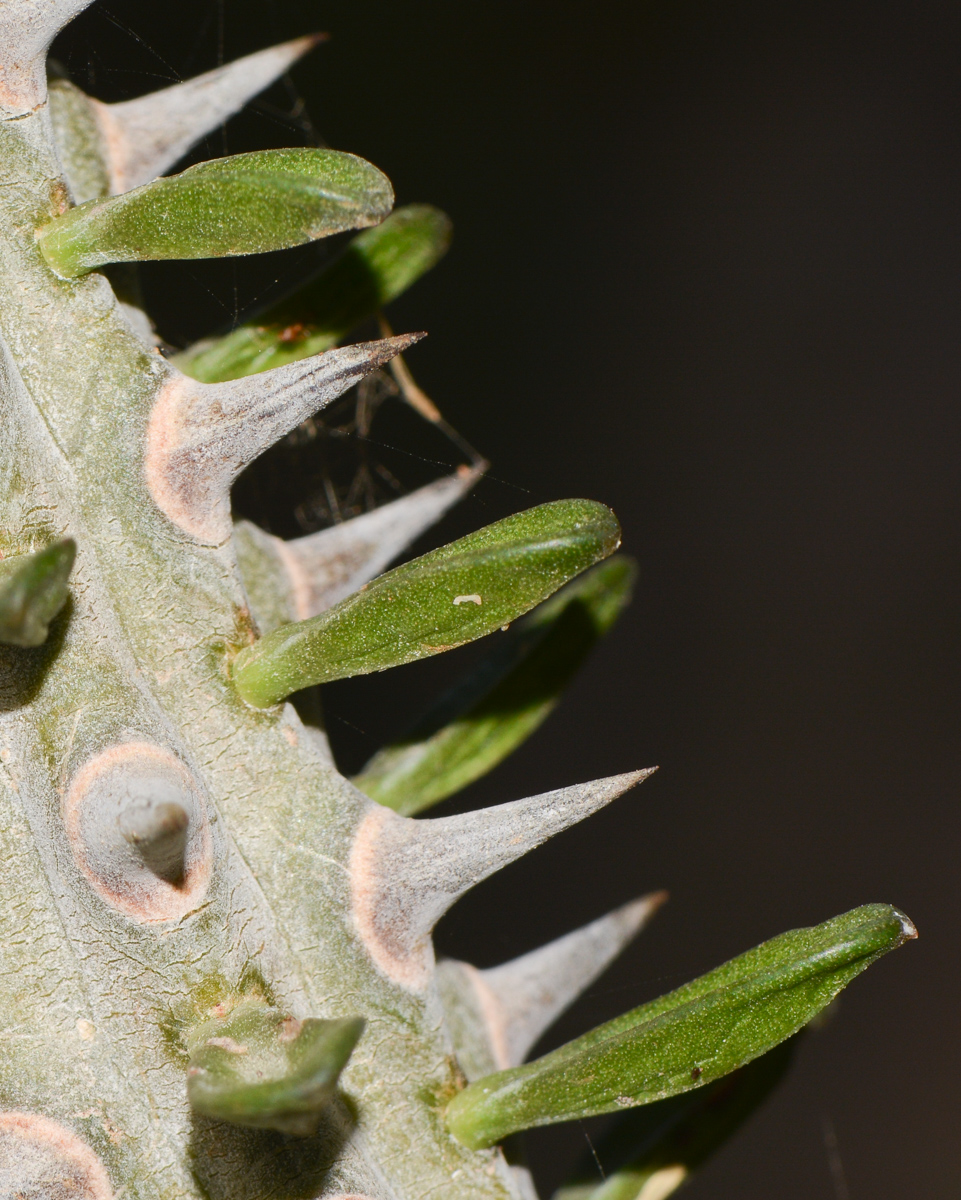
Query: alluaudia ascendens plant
216	970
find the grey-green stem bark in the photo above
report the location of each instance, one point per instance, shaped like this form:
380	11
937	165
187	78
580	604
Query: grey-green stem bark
96	979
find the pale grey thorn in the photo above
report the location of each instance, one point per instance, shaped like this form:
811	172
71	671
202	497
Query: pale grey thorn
405	874
200	436
296	579
159	833
143	138
27	27
524	1181
525	996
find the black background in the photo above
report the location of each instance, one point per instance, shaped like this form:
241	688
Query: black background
706	269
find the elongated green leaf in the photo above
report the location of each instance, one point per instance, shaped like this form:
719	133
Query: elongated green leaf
437	602
257	1067
659	1145
486	716
687	1038
33	590
376	267
245	204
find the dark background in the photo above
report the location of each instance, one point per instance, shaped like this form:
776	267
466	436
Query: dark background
706	269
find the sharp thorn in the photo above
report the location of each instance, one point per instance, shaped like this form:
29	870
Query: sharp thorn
201	436
406	874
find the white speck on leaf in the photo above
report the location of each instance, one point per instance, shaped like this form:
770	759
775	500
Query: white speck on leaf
467	599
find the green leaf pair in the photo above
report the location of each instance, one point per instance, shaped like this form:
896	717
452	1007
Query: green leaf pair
376	267
687	1038
487	715
245	204
33	589
258	1067
442	600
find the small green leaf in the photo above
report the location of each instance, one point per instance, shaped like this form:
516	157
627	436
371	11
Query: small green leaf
245	204
687	1038
255	1066
486	716
33	589
668	1140
437	602
376	268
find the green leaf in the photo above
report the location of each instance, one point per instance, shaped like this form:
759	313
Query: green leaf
487	715
376	268
33	589
256	1066
659	1145
687	1038
245	204
451	596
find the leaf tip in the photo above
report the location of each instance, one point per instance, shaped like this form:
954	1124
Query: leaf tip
909	931
34	593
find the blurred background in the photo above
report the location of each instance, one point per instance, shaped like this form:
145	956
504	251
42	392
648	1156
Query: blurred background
707	269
